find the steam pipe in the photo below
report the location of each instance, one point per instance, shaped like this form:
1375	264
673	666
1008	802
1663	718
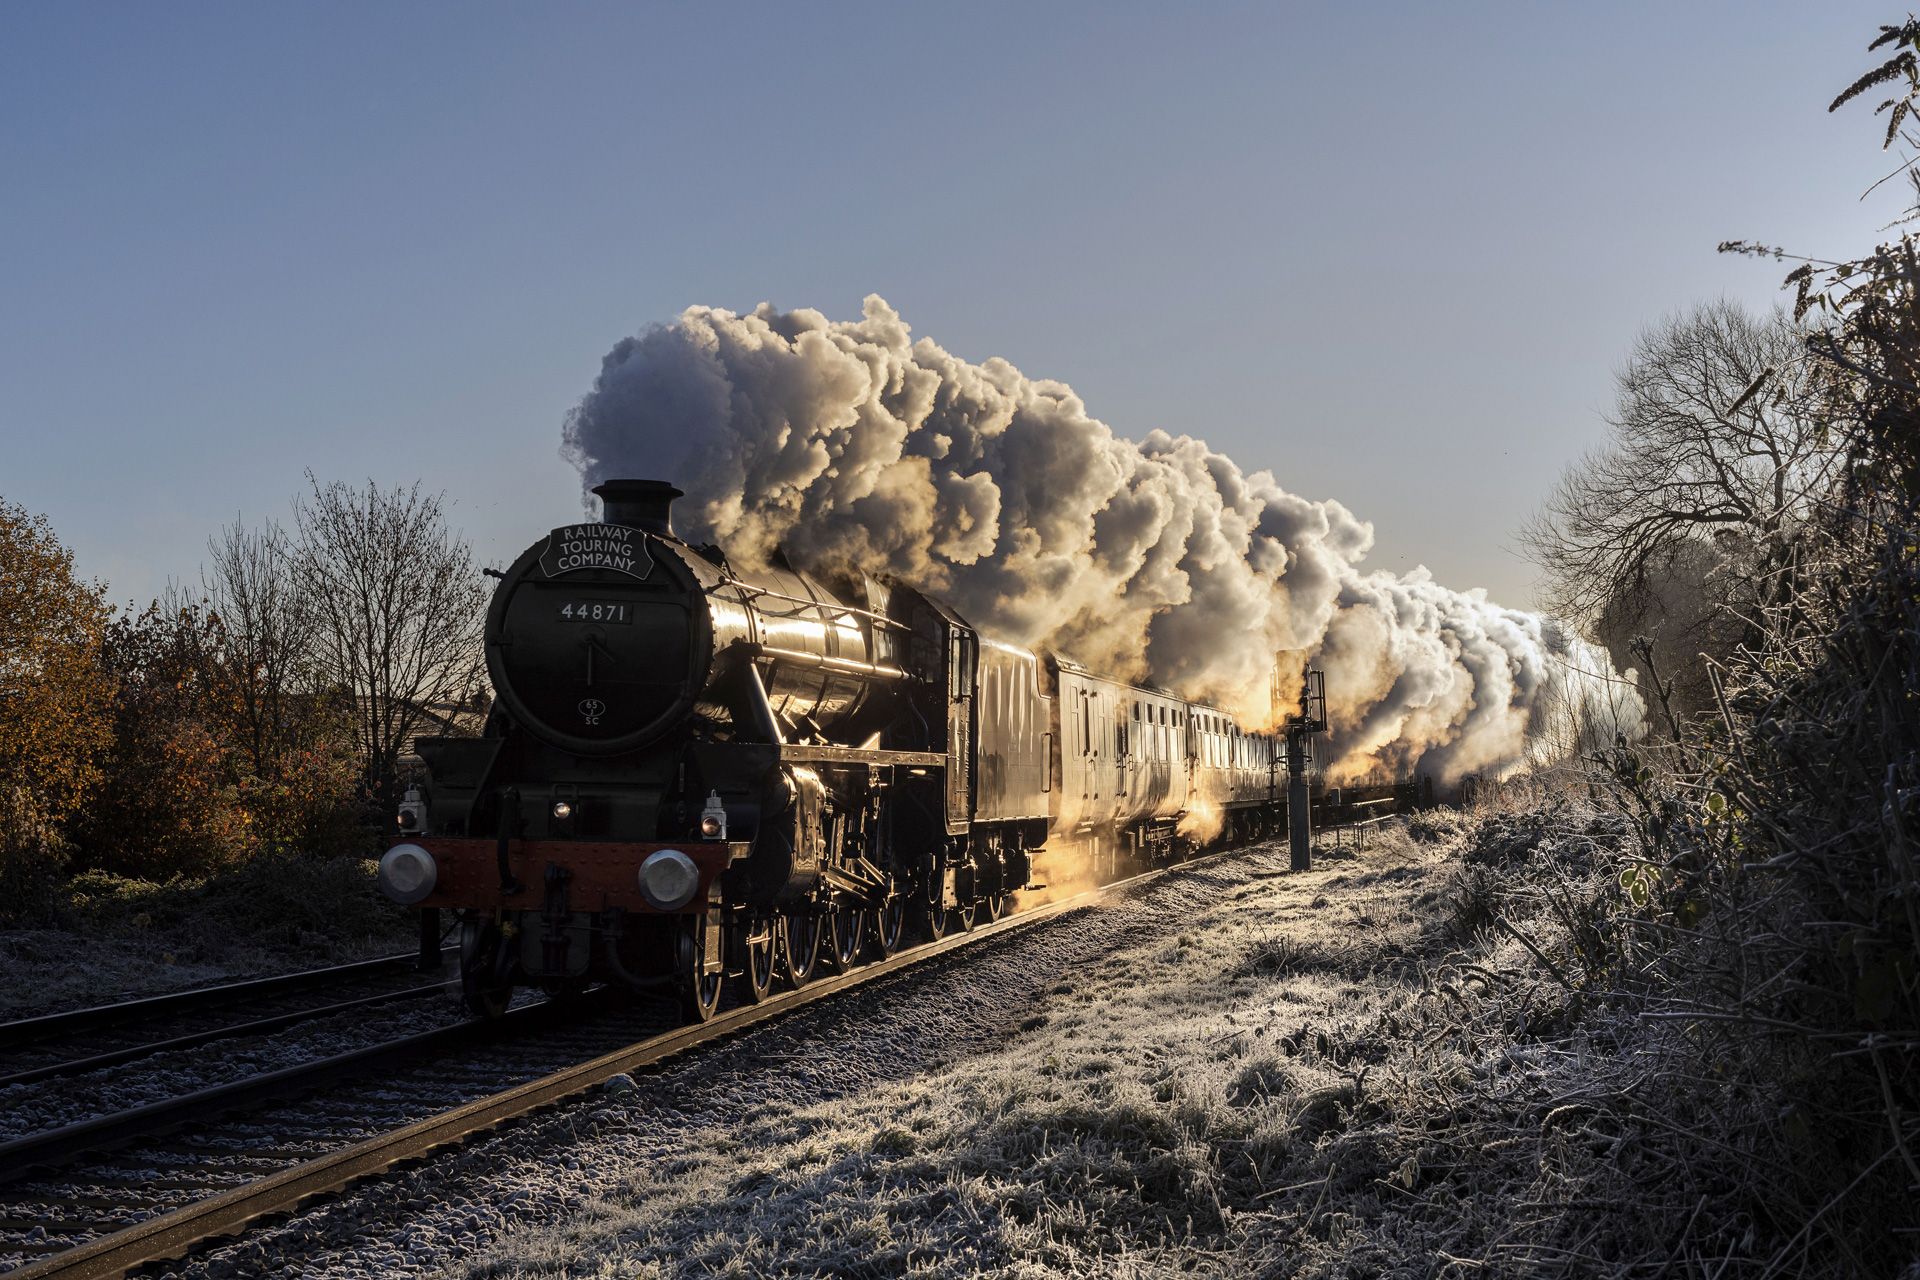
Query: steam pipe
824	604
759	709
820	662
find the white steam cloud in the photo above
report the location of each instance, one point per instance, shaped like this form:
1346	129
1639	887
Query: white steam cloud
854	447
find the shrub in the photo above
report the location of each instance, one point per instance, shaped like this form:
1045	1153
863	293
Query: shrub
273	902
33	860
54	698
1434	826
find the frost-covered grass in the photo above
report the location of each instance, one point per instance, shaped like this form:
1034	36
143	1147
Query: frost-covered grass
1442	1054
119	938
1341	1073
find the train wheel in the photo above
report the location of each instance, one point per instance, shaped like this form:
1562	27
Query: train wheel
890	925
846	939
998	907
698	972
481	988
756	951
803	935
965	917
935	922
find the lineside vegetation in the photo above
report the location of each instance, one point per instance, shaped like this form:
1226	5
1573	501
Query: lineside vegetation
264	717
1757	950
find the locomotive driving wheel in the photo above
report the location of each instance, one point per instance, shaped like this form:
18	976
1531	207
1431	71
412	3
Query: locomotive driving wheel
757	953
485	993
935	922
927	890
803	938
699	973
890	924
846	938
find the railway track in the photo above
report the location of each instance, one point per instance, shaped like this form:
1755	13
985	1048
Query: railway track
98	1198
84	1040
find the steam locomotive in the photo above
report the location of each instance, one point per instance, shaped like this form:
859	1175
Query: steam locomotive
694	777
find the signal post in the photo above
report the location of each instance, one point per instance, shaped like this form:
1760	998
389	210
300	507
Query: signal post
1300	728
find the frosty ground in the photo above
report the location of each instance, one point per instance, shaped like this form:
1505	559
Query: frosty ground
1236	1070
1222	1092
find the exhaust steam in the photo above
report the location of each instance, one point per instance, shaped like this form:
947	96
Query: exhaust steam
857	448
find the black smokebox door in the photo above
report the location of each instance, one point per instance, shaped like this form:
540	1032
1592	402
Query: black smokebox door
596	680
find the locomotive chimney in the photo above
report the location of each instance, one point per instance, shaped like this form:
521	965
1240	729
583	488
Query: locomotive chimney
639	504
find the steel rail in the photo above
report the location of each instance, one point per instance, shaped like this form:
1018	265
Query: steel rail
170	1235
51	1148
50	1025
255	1027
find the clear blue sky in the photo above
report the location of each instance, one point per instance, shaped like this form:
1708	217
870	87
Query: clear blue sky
1392	253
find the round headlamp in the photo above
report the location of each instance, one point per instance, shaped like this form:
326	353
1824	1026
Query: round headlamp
562	810
668	879
713	818
407	873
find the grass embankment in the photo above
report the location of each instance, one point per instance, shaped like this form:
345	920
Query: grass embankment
111	938
1385	1067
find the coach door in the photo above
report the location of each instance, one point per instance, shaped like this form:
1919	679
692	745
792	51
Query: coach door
1083	745
962	657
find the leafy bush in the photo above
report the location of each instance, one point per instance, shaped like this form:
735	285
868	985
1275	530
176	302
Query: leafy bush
187	787
33	859
53	701
166	804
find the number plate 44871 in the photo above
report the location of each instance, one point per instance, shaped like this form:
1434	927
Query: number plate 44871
595	611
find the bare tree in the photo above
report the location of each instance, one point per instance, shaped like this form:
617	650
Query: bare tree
1692	512
267	662
396	610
